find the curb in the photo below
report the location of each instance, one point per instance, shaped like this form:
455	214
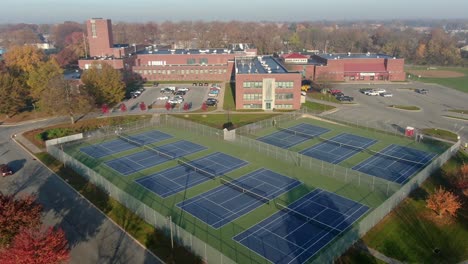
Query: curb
79	194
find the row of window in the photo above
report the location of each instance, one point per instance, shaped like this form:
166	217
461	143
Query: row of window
259	106
200	61
256	97
260	84
352	78
191	71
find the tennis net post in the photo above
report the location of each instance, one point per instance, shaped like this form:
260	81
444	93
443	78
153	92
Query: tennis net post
246	191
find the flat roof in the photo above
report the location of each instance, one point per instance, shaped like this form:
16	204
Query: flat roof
339	56
184	51
259	65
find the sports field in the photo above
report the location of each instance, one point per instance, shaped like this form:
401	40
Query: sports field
452	77
250	207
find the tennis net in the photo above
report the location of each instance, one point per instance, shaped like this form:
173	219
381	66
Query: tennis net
296	133
196	169
402	160
340	144
308	219
246	191
134	142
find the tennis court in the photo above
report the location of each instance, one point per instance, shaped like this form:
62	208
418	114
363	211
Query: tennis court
395	163
119	145
297	232
146	159
338	148
288	137
190	173
236	198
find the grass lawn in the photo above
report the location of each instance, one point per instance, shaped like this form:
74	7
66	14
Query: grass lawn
354	255
411	232
458	83
317	106
229	97
324	97
456	117
440	133
460	111
217	120
406	107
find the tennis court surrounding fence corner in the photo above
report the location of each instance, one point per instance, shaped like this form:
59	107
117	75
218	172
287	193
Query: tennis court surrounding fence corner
395	163
119	144
338	148
286	138
135	162
190	173
300	230
236	198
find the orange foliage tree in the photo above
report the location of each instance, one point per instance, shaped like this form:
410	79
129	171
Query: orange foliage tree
442	202
37	246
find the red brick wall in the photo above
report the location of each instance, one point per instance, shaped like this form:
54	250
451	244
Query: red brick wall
395	68
101	44
144	59
296	90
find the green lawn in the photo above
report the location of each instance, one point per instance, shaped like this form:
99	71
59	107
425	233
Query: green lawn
229	97
217	120
410	234
440	133
317	107
460	111
324	97
406	107
459	83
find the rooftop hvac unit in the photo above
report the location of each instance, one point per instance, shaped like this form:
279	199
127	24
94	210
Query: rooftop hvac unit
349	53
269	71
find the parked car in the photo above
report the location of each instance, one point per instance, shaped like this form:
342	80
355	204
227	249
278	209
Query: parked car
211	102
386	94
380	90
334	91
345	98
364	90
421	91
5	170
184	89
135	94
180	93
339	94
371	92
163	97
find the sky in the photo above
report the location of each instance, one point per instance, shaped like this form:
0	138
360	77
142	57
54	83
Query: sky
57	11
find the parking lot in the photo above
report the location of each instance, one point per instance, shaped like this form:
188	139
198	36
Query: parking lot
433	105
153	96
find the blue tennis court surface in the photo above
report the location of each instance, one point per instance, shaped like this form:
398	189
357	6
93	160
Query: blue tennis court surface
287	237
338	148
225	203
287	139
181	177
397	163
180	148
146	159
119	145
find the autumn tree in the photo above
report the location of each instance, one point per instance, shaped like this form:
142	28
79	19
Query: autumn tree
13	95
37	246
104	83
64	98
17	213
40	76
62	31
443	202
460	178
24	58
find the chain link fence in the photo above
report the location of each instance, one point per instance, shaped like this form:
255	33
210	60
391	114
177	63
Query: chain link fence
143	205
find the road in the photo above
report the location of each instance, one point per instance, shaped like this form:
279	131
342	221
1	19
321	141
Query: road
92	236
374	110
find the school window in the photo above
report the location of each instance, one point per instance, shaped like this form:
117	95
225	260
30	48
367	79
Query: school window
203	61
284	96
191	61
252	97
283	106
252	106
